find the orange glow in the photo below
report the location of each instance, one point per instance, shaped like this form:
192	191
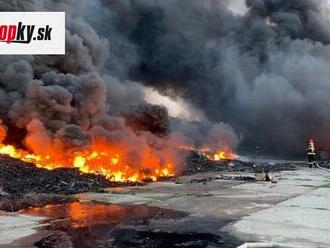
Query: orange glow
224	155
101	158
211	154
219	155
81	215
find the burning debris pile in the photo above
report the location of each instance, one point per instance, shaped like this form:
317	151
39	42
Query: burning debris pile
20	178
159	158
198	161
22	184
102	159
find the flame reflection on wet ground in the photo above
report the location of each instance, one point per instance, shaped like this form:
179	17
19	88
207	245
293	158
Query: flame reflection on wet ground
85	215
87	225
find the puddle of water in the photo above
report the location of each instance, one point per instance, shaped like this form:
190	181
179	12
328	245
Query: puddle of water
86	225
91	225
77	215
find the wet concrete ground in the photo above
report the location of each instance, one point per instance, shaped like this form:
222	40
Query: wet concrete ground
200	213
87	225
303	220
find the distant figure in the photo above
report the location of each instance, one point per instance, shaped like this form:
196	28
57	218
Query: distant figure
311	154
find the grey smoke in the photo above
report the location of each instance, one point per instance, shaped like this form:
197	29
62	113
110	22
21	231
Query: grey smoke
264	72
56	105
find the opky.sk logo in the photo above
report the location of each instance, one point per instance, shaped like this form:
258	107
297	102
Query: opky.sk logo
32	33
21	33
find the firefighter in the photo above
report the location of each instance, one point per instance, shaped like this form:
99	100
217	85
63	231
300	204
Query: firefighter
311	154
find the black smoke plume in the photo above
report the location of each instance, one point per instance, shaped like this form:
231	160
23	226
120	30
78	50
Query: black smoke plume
264	71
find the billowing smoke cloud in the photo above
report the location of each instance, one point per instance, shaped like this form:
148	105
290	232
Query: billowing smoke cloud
261	67
207	135
264	71
56	106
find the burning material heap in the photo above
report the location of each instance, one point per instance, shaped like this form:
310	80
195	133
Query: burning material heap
105	160
219	155
99	159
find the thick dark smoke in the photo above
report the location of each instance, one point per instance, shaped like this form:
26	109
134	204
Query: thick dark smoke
56	105
150	118
264	72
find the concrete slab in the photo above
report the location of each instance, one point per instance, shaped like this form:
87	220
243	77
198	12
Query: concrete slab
295	210
303	220
16	226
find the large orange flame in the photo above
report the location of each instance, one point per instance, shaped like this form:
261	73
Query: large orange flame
100	159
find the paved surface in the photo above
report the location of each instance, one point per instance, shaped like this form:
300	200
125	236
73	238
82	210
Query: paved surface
295	210
303	220
13	227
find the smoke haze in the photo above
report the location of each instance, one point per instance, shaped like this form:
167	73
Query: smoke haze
262	71
257	72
